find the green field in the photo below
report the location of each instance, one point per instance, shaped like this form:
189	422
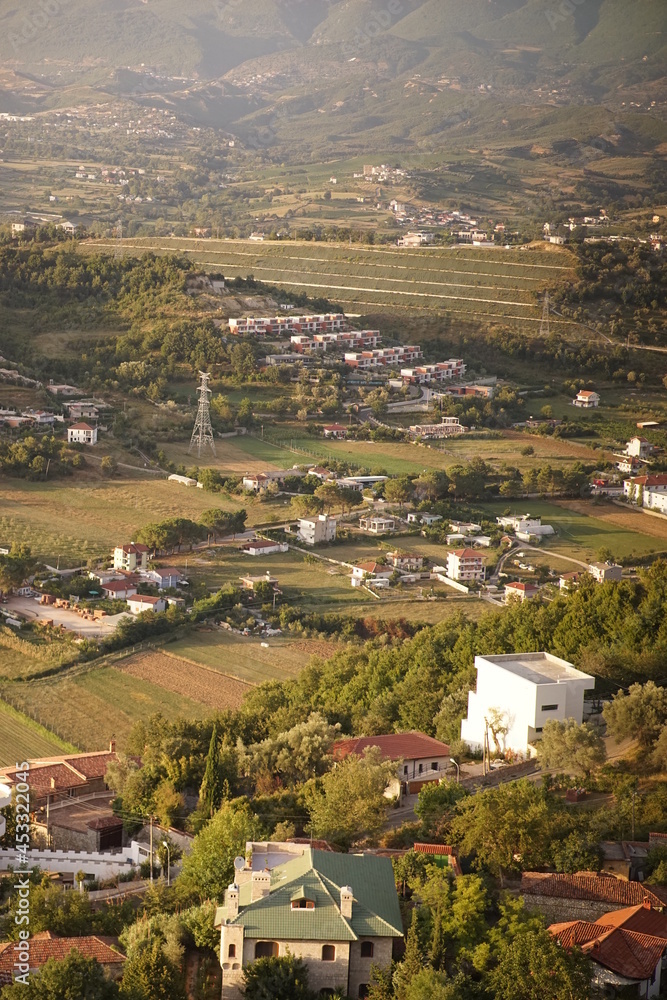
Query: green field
397	459
244	656
76	521
474	283
95	706
20	738
581	535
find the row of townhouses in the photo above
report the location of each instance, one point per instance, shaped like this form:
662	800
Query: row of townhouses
277	326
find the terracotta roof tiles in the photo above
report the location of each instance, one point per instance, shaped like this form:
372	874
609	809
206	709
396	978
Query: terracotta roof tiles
395	746
42	949
597	888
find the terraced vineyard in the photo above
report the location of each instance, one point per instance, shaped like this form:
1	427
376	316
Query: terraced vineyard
487	284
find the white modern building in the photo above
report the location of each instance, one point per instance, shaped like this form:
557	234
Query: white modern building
316	530
525	525
527	689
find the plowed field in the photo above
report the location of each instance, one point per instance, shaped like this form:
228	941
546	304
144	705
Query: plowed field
184	677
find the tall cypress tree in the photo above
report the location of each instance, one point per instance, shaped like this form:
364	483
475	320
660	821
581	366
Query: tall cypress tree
413	961
212	791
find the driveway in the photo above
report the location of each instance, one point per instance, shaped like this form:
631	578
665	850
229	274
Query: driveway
32	610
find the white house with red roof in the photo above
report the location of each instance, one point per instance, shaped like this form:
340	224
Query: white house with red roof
626	947
465	566
82	433
145	602
119	590
419	758
648	491
370	570
133	557
336	431
520	592
586	399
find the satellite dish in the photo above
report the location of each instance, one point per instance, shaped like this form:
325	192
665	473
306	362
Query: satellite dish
239	864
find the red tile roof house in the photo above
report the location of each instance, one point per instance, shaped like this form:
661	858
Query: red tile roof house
71	775
626	947
45	945
422	759
585	896
118	590
520	592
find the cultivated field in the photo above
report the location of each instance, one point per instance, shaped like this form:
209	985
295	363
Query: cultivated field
396	458
244	657
184	677
76	521
20	738
583	528
91	707
492	285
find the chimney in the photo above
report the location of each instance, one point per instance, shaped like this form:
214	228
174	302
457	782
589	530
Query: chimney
232	901
112	745
260	885
346	900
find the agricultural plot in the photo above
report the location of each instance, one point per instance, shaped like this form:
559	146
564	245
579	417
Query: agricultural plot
186	678
75	521
91	707
583	528
246	658
21	739
396	458
490	285
234	456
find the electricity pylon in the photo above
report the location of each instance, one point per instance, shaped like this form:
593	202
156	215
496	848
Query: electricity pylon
544	325
202	432
118	233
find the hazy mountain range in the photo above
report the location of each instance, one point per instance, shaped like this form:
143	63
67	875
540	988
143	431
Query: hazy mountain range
345	75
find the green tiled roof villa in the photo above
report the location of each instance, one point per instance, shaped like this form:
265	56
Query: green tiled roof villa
338	912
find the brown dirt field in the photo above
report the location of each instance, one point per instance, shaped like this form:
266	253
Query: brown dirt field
209	687
557	446
629	520
317	647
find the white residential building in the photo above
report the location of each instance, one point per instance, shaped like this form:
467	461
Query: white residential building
655	501
419	517
638	447
316	530
132	558
449	427
586	399
465	566
527	689
641	486
377	525
143	602
524	524
603	572
82	434
264	547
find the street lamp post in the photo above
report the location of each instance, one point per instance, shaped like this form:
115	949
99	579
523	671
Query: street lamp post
458	769
165	844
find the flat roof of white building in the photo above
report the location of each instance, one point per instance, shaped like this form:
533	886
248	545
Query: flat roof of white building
538	668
